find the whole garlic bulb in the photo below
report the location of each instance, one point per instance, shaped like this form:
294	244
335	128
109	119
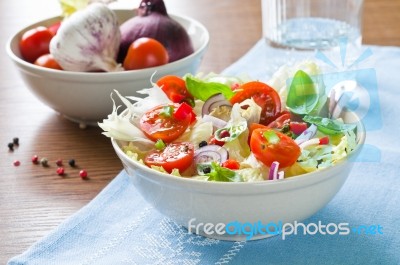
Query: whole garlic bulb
88	40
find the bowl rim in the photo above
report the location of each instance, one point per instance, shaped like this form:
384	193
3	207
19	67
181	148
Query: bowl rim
117	74
361	135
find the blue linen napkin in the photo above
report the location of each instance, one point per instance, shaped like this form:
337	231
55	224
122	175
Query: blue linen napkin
119	227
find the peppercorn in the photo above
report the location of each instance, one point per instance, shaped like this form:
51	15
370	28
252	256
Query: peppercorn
59	162
203	143
206	170
83	174
35	159
11	146
16	141
44	161
60	171
17	163
71	162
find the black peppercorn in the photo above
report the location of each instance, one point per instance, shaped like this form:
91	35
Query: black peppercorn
202	143
71	162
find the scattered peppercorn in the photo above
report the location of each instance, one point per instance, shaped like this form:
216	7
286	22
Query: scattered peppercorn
59	162
17	163
44	162
16	141
202	143
60	171
11	146
71	162
83	174
35	159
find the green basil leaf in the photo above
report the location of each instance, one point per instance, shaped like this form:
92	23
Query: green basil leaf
329	126
204	90
223	174
302	96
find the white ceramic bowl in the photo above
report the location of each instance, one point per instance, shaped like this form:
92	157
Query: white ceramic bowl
286	201
85	97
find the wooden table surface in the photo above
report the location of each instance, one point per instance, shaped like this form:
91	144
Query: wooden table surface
34	199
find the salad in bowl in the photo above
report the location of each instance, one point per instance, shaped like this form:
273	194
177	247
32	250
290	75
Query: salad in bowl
220	128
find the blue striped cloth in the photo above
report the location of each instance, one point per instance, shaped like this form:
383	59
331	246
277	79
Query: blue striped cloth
119	227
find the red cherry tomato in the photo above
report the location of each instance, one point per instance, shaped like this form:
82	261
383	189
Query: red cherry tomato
48	61
265	96
175	89
284	149
157	124
34	43
283	118
174	155
297	127
144	53
54	28
231	164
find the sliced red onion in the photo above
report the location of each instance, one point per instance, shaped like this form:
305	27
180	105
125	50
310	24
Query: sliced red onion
217	123
213	102
307	134
314	141
273	171
281	175
209	153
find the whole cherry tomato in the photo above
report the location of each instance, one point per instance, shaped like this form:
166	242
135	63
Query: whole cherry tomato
145	53
34	43
48	61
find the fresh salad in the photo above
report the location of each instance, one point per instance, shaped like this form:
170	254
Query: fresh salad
233	129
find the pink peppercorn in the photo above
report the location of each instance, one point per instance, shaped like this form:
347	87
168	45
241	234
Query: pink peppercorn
17	163
59	162
60	171
83	174
35	159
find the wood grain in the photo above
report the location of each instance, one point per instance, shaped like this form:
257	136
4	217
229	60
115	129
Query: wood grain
34	199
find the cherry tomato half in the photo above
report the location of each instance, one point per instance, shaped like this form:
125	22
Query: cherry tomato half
174	155
175	89
157	123
265	96
283	149
34	43
48	61
144	53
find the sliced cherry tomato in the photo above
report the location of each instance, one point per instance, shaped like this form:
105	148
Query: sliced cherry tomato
231	164
34	43
265	96
175	89
54	28
282	118
297	127
157	124
174	155
48	61
144	53
279	148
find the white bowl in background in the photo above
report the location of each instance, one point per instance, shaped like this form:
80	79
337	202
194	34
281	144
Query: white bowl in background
85	97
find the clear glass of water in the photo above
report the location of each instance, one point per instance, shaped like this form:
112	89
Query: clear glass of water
312	24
